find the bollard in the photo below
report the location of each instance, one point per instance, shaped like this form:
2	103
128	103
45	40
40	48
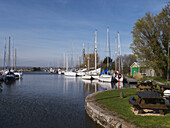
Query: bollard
121	95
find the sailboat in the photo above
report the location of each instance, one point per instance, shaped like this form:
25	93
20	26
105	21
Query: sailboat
105	76
8	75
117	75
87	76
82	72
67	72
18	75
95	73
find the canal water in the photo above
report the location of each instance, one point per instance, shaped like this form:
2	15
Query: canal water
41	100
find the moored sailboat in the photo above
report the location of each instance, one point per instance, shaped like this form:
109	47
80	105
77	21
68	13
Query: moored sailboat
8	75
105	76
117	75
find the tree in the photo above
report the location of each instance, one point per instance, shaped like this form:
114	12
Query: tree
105	60
128	60
150	40
91	60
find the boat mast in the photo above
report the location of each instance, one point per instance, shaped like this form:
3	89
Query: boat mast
13	52
72	56
115	53
120	57
5	55
15	59
107	46
9	55
66	62
95	49
88	57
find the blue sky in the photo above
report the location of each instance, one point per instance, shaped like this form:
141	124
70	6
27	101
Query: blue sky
44	30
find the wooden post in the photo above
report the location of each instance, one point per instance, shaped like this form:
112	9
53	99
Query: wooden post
121	95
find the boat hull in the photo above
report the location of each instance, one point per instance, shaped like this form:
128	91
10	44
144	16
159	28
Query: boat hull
105	78
87	77
73	74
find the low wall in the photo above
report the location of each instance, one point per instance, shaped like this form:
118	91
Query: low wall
102	116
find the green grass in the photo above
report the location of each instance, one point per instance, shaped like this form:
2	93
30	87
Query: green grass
112	101
159	79
162	80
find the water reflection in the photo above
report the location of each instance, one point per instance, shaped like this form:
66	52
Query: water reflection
119	85
48	101
96	85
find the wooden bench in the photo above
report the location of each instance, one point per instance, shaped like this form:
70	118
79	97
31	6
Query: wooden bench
158	91
147	85
132	100
148	100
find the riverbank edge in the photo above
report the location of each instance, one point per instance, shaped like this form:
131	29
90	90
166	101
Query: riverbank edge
103	116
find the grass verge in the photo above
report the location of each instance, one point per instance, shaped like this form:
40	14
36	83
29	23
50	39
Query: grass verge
112	101
159	79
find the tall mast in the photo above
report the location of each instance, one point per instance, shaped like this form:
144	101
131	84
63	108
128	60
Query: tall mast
72	56
83	56
79	61
95	49
115	53
88	57
9	55
64	65
107	46
15	59
119	51
5	55
13	52
66	62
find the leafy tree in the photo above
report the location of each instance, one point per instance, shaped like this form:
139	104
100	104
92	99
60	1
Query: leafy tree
150	40
36	69
128	60
105	60
91	60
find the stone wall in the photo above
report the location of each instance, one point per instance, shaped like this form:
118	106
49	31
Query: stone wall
104	117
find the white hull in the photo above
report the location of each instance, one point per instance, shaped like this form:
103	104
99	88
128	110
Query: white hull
18	74
80	73
87	77
105	78
97	71
59	72
73	74
96	77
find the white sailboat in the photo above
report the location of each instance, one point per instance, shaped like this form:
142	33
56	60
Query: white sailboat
117	75
69	73
18	74
95	73
87	76
8	75
81	72
105	76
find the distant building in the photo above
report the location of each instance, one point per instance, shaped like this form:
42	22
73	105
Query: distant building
134	69
144	70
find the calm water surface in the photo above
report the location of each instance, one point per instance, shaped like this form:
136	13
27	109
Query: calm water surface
48	101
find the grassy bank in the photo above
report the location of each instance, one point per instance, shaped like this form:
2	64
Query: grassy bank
159	79
112	101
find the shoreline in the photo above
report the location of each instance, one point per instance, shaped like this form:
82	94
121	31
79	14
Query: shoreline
103	116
